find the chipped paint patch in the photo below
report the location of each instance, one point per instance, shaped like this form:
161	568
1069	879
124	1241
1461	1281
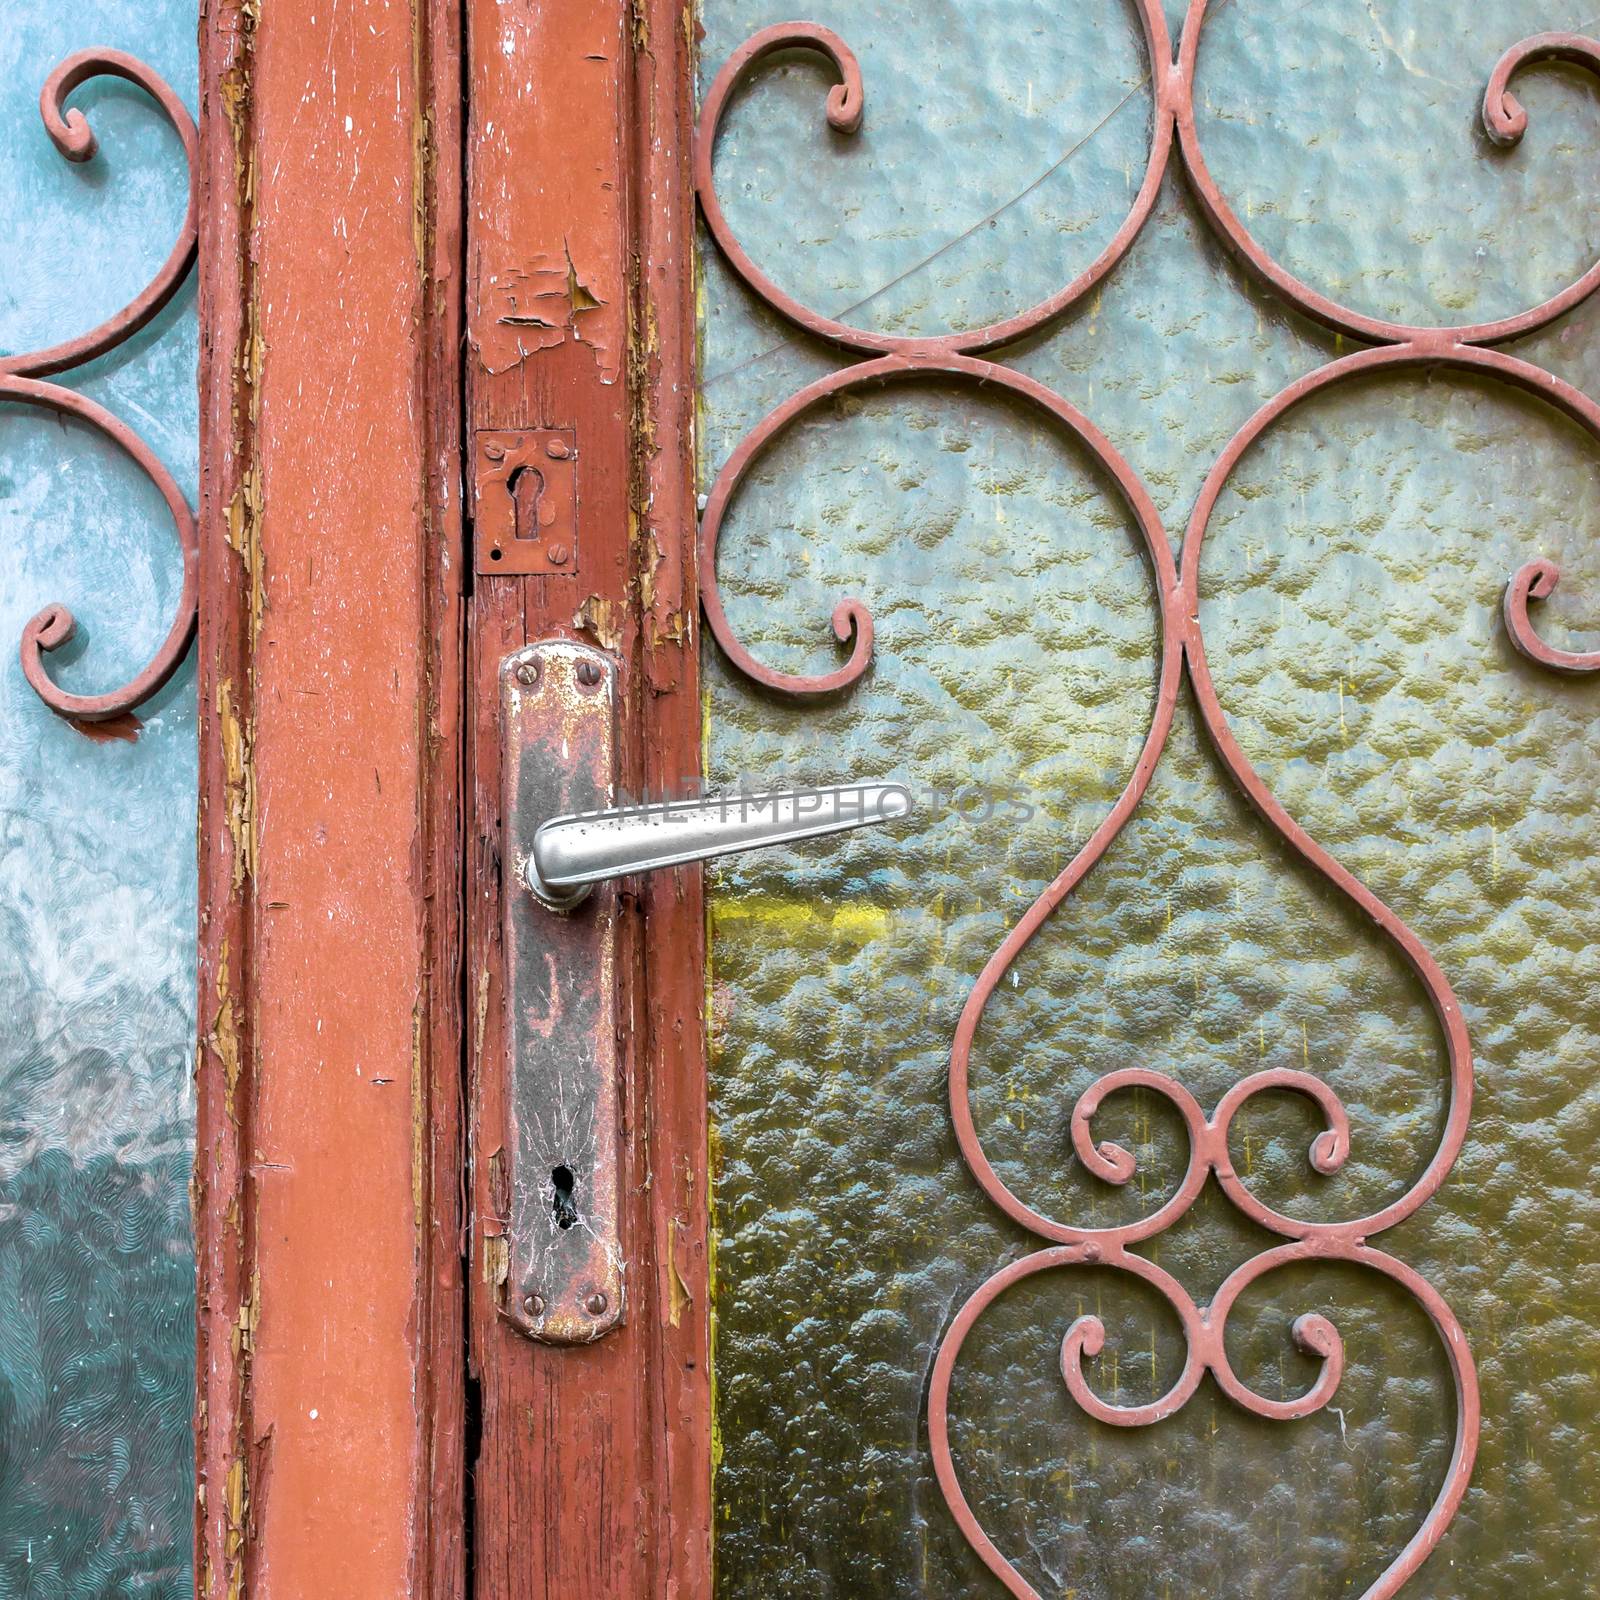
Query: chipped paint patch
679	1295
522	311
496	1263
604	619
239	784
539	307
237	1508
223	1037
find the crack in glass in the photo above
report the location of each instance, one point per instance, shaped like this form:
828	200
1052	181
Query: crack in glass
22	379
1389	346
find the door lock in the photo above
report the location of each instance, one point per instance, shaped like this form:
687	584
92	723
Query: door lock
525	502
560	1260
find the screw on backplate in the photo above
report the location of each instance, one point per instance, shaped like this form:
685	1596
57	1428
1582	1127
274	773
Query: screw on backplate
558	450
557	553
527	672
589	676
534	1305
495	452
596	1305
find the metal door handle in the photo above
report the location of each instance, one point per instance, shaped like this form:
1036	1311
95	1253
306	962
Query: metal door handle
560	1152
571	854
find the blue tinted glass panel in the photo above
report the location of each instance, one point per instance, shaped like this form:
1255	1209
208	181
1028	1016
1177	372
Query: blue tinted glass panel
97	849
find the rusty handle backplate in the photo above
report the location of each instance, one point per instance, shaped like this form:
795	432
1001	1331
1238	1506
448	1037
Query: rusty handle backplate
559	1166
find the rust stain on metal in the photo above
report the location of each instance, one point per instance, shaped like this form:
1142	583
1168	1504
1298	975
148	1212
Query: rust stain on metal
563	1100
525	501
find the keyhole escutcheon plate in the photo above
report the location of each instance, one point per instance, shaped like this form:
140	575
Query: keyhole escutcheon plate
556	1244
525	501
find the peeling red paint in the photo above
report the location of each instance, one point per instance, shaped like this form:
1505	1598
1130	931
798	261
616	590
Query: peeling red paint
547	251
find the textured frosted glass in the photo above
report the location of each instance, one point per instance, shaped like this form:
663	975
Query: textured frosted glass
1350	593
97	876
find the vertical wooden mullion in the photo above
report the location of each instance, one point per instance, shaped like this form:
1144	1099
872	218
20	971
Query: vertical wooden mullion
663	370
224	1063
593	1472
329	1415
560	1483
440	1081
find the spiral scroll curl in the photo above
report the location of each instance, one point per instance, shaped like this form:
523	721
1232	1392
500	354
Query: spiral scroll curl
1205	1340
852	621
21	381
1503	121
1537	581
1394	345
845	108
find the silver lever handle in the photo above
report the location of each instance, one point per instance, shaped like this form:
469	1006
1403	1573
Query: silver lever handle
572	854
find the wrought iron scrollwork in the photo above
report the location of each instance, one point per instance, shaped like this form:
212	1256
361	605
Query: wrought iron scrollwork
959	356
22	379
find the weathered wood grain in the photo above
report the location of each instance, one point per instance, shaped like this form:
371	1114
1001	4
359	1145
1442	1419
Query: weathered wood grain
330	1405
593	1475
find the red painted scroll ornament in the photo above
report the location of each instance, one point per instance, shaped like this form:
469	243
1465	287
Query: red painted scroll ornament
21	379
958	356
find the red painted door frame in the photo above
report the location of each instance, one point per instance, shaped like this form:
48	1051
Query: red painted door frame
423	218
329	1411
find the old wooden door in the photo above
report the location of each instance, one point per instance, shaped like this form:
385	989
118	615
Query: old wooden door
1164	1163
1149	434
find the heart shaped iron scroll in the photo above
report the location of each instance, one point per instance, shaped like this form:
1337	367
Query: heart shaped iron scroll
959	356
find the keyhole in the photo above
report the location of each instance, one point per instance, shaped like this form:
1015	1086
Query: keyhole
566	1210
526	485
